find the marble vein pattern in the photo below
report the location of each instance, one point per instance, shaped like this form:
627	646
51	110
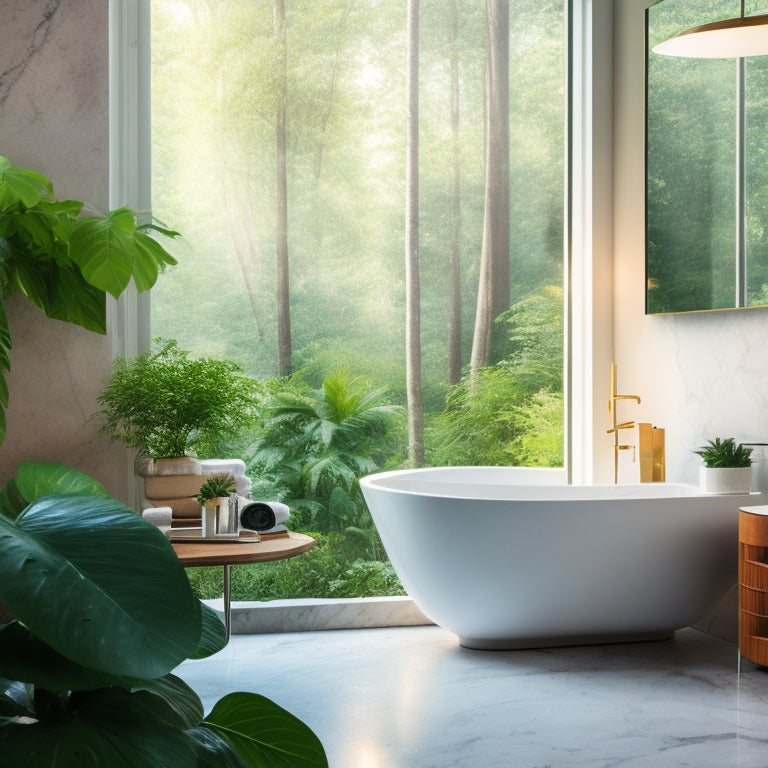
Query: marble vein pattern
36	20
410	697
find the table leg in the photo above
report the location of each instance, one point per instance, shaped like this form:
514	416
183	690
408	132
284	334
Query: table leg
227	604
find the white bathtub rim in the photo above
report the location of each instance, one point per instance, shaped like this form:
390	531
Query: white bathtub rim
461	482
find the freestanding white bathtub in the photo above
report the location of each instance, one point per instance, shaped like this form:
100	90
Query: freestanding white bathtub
515	558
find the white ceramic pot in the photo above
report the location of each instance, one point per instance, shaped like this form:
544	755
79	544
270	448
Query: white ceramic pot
219	517
725	479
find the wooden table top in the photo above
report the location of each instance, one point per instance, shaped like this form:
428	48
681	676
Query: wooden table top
235	552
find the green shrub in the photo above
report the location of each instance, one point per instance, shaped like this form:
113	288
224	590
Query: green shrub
333	568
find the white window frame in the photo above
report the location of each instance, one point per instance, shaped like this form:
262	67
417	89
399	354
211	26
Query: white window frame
588	236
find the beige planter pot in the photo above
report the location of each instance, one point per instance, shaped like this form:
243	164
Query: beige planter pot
725	479
172	483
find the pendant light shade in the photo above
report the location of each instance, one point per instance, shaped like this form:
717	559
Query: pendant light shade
731	38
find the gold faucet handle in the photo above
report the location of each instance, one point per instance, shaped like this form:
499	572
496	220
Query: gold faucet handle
624	425
627	397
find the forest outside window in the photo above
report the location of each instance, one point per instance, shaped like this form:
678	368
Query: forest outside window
371	197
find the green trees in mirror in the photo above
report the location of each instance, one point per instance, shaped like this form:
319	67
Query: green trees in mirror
707	175
64	259
95	613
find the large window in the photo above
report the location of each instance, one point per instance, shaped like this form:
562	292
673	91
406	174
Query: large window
279	142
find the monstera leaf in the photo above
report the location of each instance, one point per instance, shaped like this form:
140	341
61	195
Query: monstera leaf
95	610
118	599
44	478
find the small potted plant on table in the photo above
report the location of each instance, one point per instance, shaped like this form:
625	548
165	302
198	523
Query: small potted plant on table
219	515
727	467
165	403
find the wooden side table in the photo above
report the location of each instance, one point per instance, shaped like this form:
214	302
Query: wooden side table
753	584
228	553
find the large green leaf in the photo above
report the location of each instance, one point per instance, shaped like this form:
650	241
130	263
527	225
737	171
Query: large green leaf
15	698
111	250
101	586
43	478
181	706
213	636
215	752
28	659
110	727
265	734
21	185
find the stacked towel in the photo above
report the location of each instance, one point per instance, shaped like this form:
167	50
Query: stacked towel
262	516
160	517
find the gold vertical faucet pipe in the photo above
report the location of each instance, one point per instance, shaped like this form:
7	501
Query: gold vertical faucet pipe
616	426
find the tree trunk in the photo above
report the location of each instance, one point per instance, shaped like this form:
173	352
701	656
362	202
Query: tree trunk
493	288
281	199
454	194
412	286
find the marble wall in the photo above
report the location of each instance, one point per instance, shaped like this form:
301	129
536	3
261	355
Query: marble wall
54	118
700	375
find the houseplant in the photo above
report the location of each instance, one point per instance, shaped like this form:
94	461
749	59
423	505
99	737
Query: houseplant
727	466
95	613
65	260
164	403
218	517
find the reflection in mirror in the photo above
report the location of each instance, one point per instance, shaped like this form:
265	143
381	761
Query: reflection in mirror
706	170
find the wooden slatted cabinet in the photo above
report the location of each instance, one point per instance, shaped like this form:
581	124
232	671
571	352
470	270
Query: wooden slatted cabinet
753	584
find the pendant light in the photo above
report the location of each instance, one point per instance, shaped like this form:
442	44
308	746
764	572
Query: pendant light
731	38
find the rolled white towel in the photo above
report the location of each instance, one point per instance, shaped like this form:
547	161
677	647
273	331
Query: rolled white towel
262	516
159	517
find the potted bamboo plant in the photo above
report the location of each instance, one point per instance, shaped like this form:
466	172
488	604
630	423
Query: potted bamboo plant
727	467
165	403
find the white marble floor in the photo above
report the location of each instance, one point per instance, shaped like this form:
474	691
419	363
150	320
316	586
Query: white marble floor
410	697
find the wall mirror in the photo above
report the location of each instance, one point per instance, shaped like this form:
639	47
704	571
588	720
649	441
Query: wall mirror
706	168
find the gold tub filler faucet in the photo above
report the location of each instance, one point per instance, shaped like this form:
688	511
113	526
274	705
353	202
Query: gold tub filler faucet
650	439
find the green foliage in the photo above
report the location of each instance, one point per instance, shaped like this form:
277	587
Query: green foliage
216	485
42	478
725	453
165	402
541	439
314	441
89	639
64	262
480	421
510	413
345	88
340	565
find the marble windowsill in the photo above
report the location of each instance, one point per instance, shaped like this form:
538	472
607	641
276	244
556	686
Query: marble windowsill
303	615
253	618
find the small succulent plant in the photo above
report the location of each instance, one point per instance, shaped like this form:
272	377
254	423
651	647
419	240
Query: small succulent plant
218	484
725	453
